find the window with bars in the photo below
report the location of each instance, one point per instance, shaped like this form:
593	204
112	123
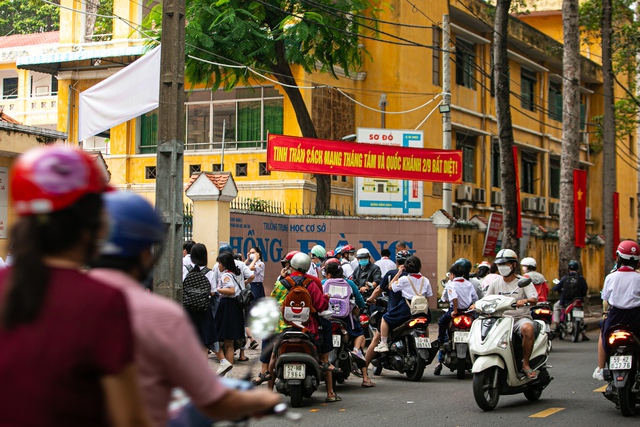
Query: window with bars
241	169
467	143
10	88
150	172
528	163
216	167
194	169
241	118
264	171
436	63
465	63
527	89
554	177
555	101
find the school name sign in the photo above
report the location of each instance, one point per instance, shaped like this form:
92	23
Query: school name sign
309	155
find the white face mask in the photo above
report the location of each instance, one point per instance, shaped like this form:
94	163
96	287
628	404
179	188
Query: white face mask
504	270
525	270
252	256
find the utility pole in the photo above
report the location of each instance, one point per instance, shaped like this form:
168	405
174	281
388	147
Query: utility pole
383	107
446	104
169	166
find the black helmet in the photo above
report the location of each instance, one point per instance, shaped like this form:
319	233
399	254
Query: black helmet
574	265
464	263
402	256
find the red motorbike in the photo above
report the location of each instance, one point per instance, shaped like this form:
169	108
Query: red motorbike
572	321
456	349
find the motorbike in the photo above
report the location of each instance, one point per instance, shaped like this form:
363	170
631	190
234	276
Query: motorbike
572	321
297	369
410	349
341	356
544	311
497	353
623	369
456	351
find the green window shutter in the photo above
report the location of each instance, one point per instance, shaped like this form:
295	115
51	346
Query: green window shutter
148	133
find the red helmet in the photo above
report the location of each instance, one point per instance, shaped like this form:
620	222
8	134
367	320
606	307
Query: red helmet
288	256
332	260
628	249
49	179
348	248
329	254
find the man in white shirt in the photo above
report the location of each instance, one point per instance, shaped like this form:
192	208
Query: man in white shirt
507	262
385	263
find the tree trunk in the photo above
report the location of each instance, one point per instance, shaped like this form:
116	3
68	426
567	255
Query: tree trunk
570	133
609	138
90	19
283	74
505	129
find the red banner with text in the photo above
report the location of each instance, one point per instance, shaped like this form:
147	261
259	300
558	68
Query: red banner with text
580	206
319	156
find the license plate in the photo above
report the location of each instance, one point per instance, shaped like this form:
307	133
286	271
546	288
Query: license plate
337	340
461	337
294	372
423	342
578	314
620	363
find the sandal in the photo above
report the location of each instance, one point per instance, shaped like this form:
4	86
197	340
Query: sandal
335	370
262	377
243	359
335	398
530	373
253	345
368	384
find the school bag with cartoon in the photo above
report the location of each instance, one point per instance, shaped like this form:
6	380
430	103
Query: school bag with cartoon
339	297
297	306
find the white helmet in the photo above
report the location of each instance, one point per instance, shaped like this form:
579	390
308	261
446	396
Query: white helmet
529	262
505	256
362	253
301	262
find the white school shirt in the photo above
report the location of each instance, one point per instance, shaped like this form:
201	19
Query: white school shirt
245	273
228	280
258	272
462	290
347	270
385	265
404	284
622	289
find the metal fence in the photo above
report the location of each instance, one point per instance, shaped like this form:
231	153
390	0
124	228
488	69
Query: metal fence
187	221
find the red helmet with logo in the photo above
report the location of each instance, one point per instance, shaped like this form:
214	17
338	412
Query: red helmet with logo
287	257
49	179
628	249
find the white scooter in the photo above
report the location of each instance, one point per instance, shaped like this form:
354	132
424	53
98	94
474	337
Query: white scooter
497	359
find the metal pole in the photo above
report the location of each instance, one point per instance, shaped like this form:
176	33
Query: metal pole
224	126
383	107
169	166
446	104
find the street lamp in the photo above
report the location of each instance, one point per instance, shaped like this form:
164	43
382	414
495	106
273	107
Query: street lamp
444	108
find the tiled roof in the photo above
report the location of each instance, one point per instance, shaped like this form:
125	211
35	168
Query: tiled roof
7	119
217	179
30	39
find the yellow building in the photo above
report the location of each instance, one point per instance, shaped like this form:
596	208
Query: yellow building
409	77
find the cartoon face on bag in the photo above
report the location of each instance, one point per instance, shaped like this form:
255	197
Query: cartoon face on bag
297	308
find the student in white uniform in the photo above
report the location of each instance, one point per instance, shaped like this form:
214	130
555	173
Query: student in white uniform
385	263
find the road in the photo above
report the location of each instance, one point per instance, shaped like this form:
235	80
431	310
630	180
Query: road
571	399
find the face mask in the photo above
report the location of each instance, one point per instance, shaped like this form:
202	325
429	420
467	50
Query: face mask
504	270
318	264
323	272
363	262
252	256
525	270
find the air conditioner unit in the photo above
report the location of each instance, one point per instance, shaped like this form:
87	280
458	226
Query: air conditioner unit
464	193
542	204
496	198
587	214
480	195
465	212
554	208
530	204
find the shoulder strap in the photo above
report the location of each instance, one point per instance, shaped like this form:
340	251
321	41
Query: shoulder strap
205	270
288	282
413	287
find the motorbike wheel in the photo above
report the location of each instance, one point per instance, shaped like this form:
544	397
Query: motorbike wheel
461	367
377	369
533	394
560	332
626	399
416	373
296	396
485	394
575	333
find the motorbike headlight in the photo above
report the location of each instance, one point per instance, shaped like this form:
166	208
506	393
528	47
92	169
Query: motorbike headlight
504	340
489	307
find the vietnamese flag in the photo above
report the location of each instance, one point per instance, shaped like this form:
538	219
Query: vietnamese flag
515	168
579	206
616	223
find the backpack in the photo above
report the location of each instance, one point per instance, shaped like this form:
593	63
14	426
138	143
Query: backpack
571	289
419	303
340	296
196	290
297	306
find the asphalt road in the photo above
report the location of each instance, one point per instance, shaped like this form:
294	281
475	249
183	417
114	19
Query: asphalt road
571	399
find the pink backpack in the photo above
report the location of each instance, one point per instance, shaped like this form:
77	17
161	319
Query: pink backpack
339	296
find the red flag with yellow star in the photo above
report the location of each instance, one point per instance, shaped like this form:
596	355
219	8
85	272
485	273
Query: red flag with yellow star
580	206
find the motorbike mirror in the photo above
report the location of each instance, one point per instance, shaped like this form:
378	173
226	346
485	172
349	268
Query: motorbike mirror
263	318
524	282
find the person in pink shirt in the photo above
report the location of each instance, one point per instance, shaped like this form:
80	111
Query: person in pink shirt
167	352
